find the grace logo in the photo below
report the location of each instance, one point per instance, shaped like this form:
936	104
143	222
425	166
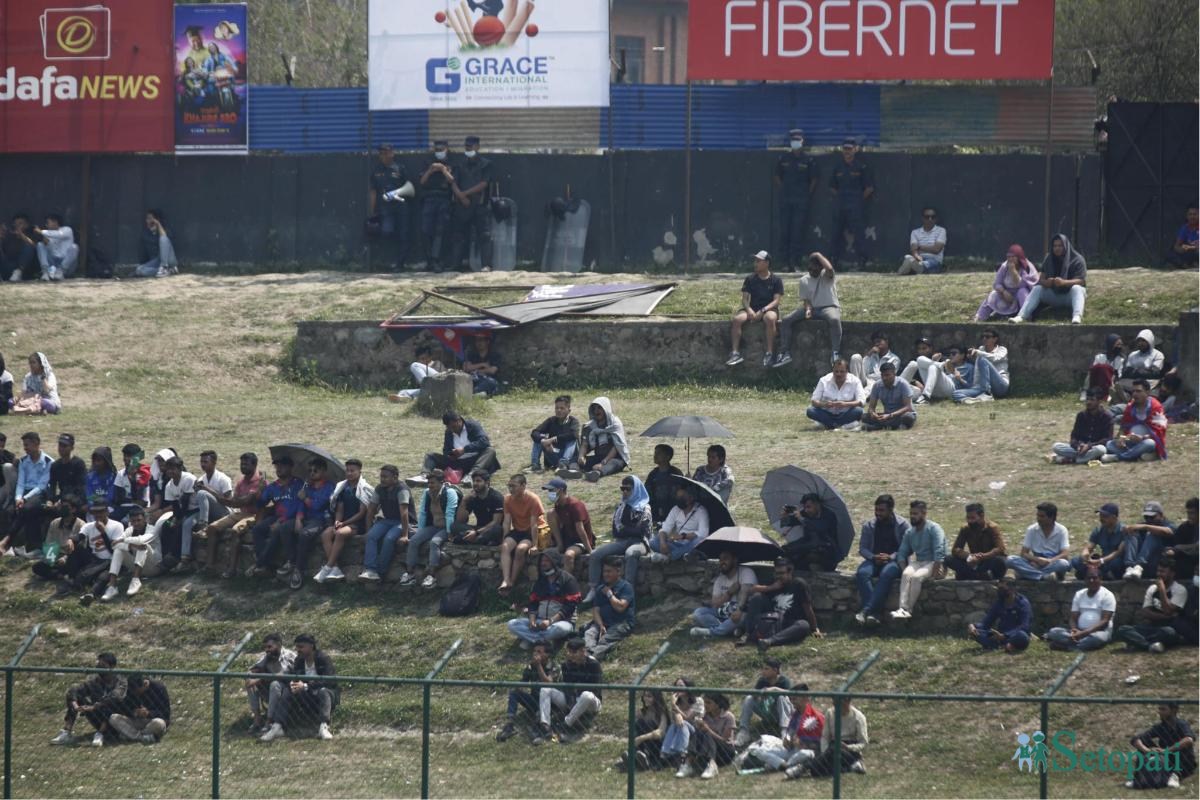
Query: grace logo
76	34
441	75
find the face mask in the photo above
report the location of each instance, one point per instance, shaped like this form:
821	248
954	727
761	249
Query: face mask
548	572
440	155
470	153
553	496
797	144
681	503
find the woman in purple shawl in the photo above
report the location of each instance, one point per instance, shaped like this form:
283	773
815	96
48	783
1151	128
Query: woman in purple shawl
1014	279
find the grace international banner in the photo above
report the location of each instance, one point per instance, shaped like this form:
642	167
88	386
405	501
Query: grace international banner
210	78
441	54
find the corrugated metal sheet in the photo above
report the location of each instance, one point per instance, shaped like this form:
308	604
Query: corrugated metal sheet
308	120
520	129
920	116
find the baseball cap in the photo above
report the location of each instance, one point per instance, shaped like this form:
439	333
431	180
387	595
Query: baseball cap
1110	509
1152	508
763	255
796	133
471	140
556	483
66	438
849	141
440	143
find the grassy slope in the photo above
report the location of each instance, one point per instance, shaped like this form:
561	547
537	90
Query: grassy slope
191	363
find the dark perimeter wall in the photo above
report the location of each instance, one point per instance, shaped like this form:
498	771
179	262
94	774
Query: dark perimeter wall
310	209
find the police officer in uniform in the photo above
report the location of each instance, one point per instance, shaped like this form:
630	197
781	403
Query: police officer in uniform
435	204
852	185
795	180
469	217
386	177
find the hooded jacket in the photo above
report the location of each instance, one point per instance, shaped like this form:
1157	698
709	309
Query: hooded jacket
101	483
613	431
1071	266
1144	365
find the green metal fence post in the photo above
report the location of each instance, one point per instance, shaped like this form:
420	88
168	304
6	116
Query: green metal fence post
866	664
425	687
8	707
631	751
216	713
1044	777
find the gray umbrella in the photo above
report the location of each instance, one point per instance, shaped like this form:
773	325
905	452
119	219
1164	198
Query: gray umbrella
688	427
786	485
719	515
303	453
748	544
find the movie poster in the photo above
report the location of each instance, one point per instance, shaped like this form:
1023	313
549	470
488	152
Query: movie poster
210	78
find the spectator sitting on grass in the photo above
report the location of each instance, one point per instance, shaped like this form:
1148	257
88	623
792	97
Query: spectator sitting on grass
715	474
66	551
101	478
990	379
894	394
605	450
613	612
1171	736
465	447
68	473
811	535
838	400
941	379
979	551
242	504
523	519
761	293
1092	611
57	252
867	367
1153	627
1015	279
711	746
352	498
102	535
780	612
131	486
1174	400
540	670
306	693
39	389
424	367
686	708
660	483
926	246
1106	367
1006	623
1089	435
776	709
6	388
275	660
487	506
557	438
1143	435
570	524
730	591
439	503
854	740
1146	361
30	499
96	699
483	364
213	492
799	743
1045	548
145	714
1106	546
156	254
1185	251
685	527
178	487
630	527
1062	282
139	548
18	251
879	541
390	524
650	726
577	667
1146	541
550	615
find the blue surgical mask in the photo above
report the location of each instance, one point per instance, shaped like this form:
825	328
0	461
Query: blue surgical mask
797	144
553	496
470	153
440	155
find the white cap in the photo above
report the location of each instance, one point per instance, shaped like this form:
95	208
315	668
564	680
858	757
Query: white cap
763	255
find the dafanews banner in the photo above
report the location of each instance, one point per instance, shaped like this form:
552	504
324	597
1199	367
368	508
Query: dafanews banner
438	54
210	78
84	78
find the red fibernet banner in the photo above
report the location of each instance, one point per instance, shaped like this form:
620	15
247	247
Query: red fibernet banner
85	77
833	40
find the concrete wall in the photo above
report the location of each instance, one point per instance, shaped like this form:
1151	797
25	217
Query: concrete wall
558	354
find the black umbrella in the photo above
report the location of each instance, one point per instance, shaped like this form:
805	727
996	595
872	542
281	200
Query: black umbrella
719	515
303	453
787	485
688	427
748	544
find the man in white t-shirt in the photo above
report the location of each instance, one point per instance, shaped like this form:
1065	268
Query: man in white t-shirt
837	402
730	592
424	367
925	246
685	527
212	490
818	300
1154	628
178	488
1092	611
102	535
1045	548
57	252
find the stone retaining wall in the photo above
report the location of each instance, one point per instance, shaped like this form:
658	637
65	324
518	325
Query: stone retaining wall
945	606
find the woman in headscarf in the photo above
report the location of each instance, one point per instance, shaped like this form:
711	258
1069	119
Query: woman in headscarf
1106	366
1063	282
630	526
1015	278
6	388
39	391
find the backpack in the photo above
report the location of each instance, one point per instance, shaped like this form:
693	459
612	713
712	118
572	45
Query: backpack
462	598
99	265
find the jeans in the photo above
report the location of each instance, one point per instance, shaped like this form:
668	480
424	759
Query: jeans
831	314
267	534
66	263
380	546
895	423
834	419
299	545
990	569
282	700
777	710
165	258
706	617
538	456
521	629
675	740
1148	553
596	560
598	644
1041	296
874	583
928	264
611	467
1062	637
1141	635
1132	452
519	698
988	380
484	459
585	701
436	537
1112	570
1064	451
484	384
1017	638
435	221
1027	571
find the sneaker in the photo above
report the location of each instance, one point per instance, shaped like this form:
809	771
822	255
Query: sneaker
782	359
335	574
162	272
700	633
64	737
1158	647
984	398
861	618
45	276
768	357
323	732
1173	781
1129	785
792	773
273	733
851	426
98	739
147	738
408	579
642	760
135	586
173	269
659	558
34	555
743	739
921	400
1109	458
710	770
900	613
507	732
859	767
56	274
593	476
369	575
569	473
1075	320
109	594
1133	573
1015	320
734	359
430	582
86	599
296	581
322	574
872	620
686	770
16	276
285	570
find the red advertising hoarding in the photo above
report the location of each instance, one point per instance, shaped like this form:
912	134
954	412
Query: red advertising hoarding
834	40
85	76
